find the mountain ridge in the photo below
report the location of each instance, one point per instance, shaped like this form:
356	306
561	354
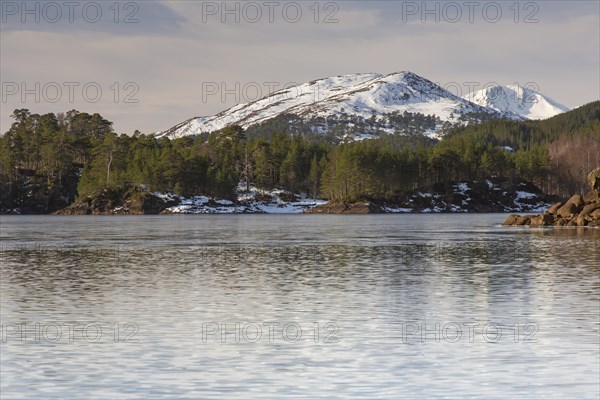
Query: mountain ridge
359	105
519	100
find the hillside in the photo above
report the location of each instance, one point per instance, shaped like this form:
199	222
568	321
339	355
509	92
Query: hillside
358	106
518	101
567	145
362	106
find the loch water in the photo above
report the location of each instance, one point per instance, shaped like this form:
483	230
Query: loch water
297	306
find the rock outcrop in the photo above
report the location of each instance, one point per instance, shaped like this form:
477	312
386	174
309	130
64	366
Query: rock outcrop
492	195
594	179
347	208
121	201
577	211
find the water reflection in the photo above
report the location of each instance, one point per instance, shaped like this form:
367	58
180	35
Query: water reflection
393	288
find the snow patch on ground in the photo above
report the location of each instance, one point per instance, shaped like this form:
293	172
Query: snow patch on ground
528	202
462	187
397	210
252	201
525	195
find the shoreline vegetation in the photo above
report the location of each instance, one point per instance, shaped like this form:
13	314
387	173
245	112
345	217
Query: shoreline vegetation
464	197
74	163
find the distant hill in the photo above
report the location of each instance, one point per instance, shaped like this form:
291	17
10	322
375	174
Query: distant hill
368	105
354	107
584	120
518	101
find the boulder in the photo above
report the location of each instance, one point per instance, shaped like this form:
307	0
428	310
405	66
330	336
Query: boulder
588	209
554	208
567	210
511	219
594	223
595	215
542	220
577	200
581	220
594	180
524	220
591	197
561	222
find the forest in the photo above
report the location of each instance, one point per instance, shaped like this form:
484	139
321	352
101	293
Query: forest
48	161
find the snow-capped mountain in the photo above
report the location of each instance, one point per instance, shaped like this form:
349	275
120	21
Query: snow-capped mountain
357	106
517	100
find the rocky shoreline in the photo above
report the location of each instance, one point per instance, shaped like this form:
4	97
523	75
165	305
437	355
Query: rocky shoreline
110	202
484	196
487	196
254	201
577	211
347	208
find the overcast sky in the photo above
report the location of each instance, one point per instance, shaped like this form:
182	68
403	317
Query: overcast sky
158	63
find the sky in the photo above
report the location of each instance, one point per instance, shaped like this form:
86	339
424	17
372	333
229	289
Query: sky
148	65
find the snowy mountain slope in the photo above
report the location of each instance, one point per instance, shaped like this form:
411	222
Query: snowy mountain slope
517	100
360	96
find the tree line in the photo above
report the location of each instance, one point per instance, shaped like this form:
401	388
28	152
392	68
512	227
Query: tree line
49	160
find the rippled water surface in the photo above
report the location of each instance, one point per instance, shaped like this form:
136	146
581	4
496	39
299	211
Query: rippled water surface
255	307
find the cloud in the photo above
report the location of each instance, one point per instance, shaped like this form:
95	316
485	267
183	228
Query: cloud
175	50
118	18
460	11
